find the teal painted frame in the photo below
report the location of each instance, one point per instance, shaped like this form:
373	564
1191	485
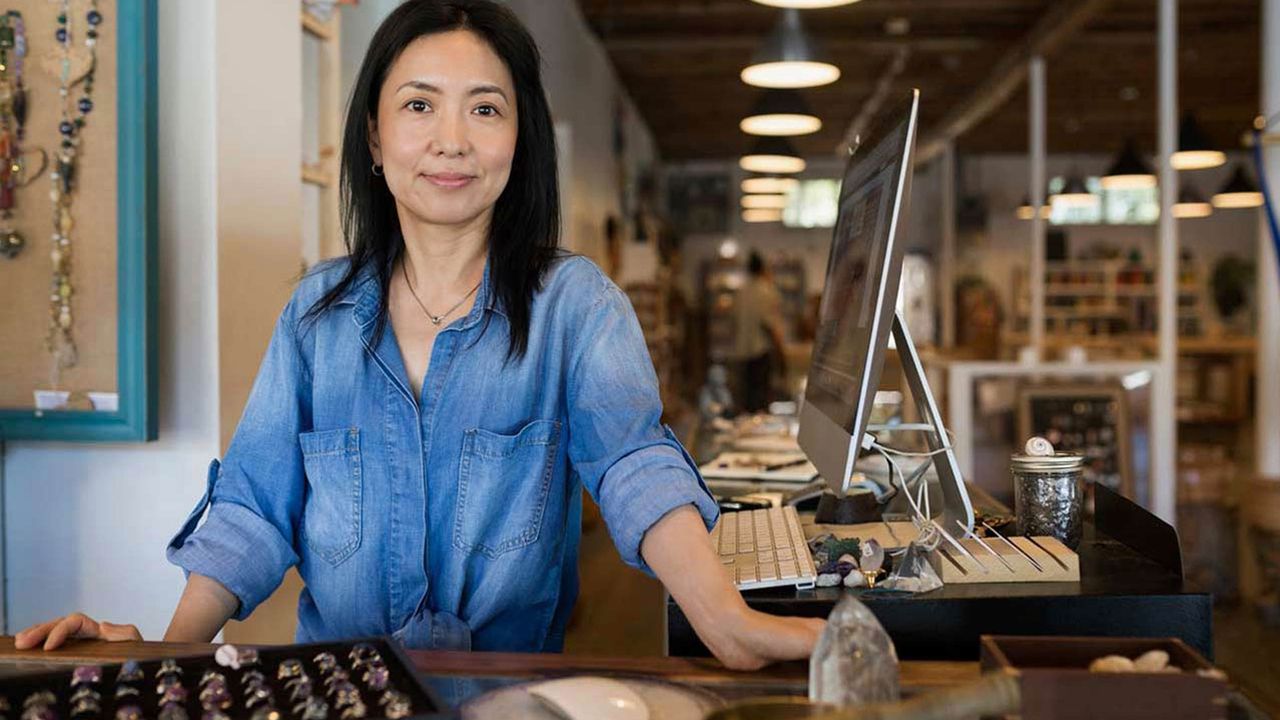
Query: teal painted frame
137	280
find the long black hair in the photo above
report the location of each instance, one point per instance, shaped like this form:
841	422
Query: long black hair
525	230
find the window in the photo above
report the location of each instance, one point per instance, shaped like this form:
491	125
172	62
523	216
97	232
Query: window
1109	207
812	205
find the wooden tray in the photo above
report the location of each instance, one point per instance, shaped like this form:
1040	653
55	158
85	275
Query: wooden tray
1057	685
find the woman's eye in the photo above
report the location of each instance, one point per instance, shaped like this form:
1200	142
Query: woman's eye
488	111
418	106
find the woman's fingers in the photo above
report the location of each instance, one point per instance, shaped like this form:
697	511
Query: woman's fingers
117	633
76	625
34	635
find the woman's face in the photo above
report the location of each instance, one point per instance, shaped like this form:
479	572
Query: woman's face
445	133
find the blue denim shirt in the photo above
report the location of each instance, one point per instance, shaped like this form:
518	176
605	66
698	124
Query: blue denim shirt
451	520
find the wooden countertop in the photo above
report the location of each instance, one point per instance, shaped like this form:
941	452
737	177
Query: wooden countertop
783	677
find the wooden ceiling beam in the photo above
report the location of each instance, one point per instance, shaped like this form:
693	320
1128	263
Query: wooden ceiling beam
1055	27
748	42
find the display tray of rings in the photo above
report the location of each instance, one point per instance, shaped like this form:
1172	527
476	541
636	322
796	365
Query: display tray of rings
323	681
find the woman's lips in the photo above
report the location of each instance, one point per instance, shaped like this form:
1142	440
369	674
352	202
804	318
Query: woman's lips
449	180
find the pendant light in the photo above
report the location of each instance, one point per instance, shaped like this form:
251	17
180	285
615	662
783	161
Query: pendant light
1074	193
769	185
789	58
805	4
764	202
780	113
761	215
1130	171
1191	204
1239	192
1026	212
772	155
1194	150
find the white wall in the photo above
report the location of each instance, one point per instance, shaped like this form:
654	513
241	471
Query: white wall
583	90
86	526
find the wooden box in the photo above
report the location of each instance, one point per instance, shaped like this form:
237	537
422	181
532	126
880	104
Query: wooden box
1056	683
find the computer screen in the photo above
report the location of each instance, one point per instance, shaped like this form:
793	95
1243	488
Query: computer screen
862	277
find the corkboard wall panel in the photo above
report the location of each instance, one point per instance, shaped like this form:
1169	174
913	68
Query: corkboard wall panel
25	280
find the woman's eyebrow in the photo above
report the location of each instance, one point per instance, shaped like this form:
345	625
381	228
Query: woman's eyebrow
421	86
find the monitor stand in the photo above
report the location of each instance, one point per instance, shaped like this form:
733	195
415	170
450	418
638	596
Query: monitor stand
861	507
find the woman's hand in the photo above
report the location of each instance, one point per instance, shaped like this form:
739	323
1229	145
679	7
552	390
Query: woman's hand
749	639
76	625
678	549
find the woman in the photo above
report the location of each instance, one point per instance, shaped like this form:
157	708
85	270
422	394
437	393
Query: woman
429	406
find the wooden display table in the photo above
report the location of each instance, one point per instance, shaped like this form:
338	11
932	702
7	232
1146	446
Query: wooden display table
783	679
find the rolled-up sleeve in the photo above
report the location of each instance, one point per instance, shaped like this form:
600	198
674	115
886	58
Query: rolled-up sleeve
629	462
254	496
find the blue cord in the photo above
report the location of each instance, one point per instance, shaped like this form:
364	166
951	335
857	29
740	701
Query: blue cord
1266	193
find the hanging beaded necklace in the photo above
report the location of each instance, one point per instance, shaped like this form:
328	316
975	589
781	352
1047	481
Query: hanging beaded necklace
60	341
13	119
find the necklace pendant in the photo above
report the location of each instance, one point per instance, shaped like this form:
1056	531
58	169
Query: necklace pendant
435	320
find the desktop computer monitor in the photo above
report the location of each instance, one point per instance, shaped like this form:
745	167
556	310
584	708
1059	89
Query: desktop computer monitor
857	315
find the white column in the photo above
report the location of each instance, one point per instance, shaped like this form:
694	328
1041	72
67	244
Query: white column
1038	113
947	265
1164	428
1268	388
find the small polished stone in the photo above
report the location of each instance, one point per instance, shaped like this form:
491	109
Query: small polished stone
259	695
172	711
289	669
129	712
85	692
354	711
313	708
86	706
40	712
216	695
86	675
345	694
42	697
266	713
377	677
299	689
326	662
396	705
174	694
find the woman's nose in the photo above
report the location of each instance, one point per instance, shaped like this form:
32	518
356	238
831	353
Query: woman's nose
450	137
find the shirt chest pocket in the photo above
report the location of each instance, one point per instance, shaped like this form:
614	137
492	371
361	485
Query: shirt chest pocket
331	517
503	483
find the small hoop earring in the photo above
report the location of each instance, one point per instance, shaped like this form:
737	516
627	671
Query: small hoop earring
377	170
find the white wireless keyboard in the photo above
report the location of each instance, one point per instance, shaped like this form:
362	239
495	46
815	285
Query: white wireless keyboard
764	548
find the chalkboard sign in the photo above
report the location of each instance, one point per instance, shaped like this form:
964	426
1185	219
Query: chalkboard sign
1091	420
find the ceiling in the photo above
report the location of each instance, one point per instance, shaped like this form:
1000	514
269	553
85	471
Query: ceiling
680	59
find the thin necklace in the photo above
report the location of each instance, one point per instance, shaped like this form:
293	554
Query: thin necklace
435	319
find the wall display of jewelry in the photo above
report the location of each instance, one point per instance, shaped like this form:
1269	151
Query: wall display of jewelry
327	681
58	283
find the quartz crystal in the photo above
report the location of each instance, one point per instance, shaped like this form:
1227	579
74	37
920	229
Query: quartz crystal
854	661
